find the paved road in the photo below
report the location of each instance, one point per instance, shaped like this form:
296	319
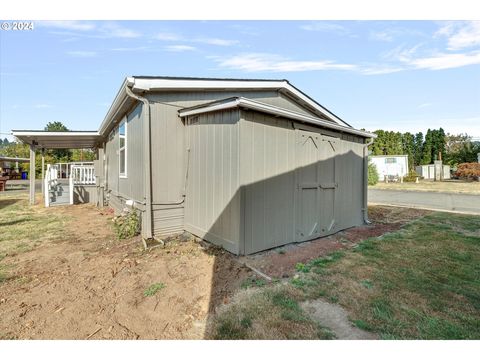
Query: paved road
463	203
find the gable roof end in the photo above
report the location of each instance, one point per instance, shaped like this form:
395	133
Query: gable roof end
242	102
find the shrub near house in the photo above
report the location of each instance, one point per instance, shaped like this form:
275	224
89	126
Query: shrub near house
468	171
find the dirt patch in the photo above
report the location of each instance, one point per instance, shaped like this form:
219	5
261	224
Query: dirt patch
90	285
336	319
280	262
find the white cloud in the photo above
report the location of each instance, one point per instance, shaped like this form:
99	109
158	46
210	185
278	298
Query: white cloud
116	31
325	26
101	30
380	69
179	48
274	63
413	58
83	54
442	61
460	34
382	36
68	25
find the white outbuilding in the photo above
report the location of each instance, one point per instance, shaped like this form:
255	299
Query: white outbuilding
390	165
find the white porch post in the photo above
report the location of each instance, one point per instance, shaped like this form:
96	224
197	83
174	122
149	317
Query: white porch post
32	174
43	172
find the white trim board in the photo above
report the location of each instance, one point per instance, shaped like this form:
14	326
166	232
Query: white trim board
269	109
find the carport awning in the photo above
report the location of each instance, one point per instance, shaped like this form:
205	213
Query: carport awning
59	139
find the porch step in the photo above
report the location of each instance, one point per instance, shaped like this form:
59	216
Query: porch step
60	194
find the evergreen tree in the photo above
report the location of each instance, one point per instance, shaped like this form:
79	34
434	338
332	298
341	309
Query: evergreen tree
427	148
418	149
408	147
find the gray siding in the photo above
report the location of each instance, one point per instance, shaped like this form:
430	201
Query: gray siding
168	147
244	176
131	187
267	165
212	209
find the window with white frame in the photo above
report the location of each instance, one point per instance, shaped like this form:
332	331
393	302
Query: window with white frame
122	152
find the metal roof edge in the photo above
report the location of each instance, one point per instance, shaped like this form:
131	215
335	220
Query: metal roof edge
141	84
229	103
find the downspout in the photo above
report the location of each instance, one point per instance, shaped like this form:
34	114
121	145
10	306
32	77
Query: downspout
365	181
147	232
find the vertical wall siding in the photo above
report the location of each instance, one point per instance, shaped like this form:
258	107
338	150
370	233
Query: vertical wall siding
349	194
131	187
168	147
267	163
212	204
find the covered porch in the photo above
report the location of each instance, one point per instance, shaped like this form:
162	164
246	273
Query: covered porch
64	183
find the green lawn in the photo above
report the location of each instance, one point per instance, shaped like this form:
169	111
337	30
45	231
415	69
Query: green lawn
421	282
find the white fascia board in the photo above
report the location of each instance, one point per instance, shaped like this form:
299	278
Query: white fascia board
55	133
186	84
141	85
273	110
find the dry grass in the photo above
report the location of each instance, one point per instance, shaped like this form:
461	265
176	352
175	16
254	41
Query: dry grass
267	313
454	186
23	227
419	282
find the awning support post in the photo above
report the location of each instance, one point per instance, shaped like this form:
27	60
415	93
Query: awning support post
32	174
43	172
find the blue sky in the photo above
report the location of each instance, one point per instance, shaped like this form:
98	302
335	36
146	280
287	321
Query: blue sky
394	75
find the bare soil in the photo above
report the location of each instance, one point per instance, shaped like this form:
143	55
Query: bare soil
82	283
89	285
335	318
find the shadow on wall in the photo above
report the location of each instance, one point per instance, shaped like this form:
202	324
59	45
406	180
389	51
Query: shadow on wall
80	195
307	203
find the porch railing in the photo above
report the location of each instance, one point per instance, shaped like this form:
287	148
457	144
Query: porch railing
82	174
79	174
51	180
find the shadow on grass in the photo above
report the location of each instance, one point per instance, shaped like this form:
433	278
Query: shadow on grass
7	202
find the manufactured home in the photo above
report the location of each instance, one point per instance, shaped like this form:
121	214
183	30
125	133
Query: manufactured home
390	165
245	164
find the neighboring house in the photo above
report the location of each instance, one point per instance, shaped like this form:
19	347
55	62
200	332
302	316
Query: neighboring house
390	165
10	165
246	164
428	172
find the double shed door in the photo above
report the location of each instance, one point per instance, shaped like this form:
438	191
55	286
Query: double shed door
316	184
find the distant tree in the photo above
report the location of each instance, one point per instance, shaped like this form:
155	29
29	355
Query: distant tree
378	146
460	149
438	143
79	155
59	155
427	148
418	149
408	148
55	126
372	174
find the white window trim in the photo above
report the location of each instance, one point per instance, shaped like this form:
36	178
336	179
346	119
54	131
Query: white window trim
124	175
